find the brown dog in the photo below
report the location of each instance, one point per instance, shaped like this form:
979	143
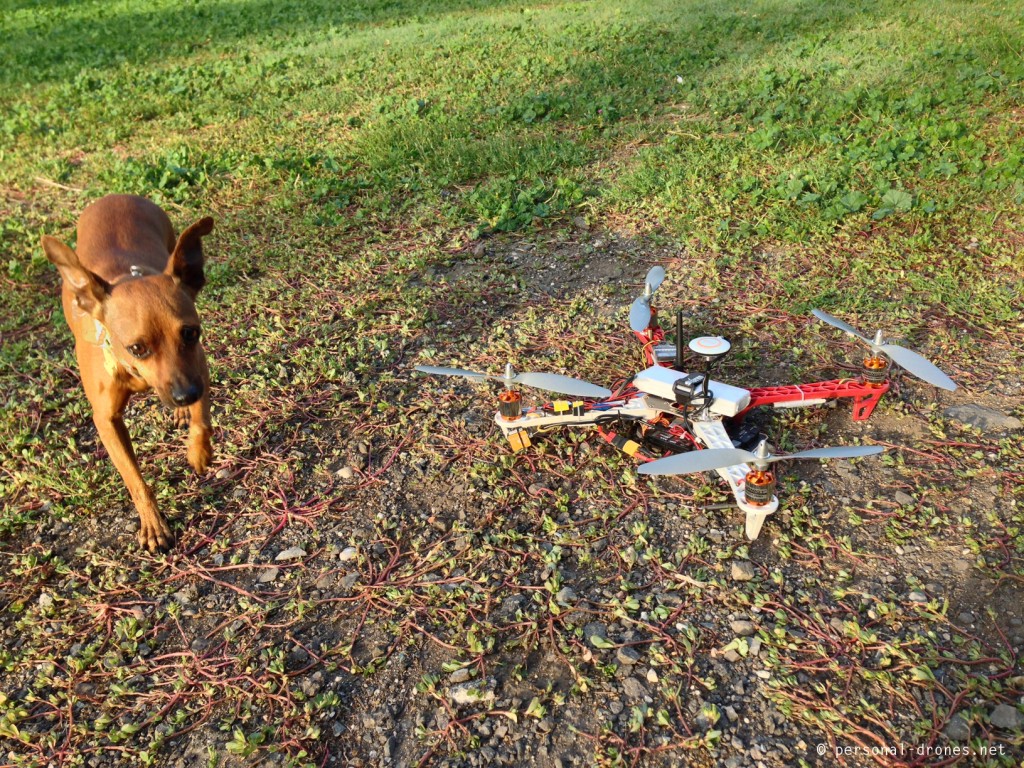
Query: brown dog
129	297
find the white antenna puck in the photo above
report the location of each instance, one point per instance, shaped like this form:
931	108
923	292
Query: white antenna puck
709	346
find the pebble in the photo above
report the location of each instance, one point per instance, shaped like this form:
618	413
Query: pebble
627	656
268	574
292	553
476	692
742	570
615	707
904	499
566	596
731	656
223	474
461	675
755	646
957	728
45	601
345	473
652	676
347	554
633	688
742	628
1007	717
918	597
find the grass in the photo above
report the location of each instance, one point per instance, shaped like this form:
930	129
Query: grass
865	159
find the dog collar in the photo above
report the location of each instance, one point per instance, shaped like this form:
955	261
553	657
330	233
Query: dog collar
110	363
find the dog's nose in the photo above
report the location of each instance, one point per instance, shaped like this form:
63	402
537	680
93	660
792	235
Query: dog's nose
186	394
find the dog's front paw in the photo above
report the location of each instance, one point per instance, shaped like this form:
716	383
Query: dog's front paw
181	417
154	533
200	451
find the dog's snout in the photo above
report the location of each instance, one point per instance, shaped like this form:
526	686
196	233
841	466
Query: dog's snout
186	394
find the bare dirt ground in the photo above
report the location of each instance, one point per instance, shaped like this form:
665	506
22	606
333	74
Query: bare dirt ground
401	590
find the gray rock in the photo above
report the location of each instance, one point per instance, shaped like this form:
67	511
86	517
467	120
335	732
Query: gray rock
475	692
566	596
917	597
348	554
957	728
633	688
731	656
461	675
292	553
627	656
742	570
268	574
595	629
742	628
1007	717
904	499
755	646
345	473
985	419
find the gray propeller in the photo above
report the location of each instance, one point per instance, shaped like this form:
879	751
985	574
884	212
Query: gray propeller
720	458
552	382
640	309
908	360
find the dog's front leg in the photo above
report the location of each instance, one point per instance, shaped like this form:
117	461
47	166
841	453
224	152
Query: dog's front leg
200	447
108	405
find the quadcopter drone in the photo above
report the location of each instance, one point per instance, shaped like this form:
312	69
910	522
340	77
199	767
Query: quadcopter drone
677	422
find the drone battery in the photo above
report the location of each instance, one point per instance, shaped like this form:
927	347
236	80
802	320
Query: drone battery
658	380
579	408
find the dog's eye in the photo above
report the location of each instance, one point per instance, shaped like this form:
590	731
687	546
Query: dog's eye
140	350
190	335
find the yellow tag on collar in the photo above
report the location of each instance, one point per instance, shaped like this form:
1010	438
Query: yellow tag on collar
110	363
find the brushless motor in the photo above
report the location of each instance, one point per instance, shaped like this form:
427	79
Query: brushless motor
510	404
759	487
876	370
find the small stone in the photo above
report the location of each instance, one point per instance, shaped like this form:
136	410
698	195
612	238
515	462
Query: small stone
45	601
730	712
292	553
627	656
345	473
566	596
347	554
268	574
615	707
966	618
957	728
986	419
595	629
731	656
742	570
755	646
633	688
223	474
742	628
917	597
652	676
1007	717
325	581
546	725
461	675
764	674
904	499
238	493
475	692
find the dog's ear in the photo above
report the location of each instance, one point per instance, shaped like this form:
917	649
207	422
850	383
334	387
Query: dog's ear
90	289
186	262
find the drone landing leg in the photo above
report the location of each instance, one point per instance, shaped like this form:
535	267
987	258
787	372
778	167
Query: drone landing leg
863	405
